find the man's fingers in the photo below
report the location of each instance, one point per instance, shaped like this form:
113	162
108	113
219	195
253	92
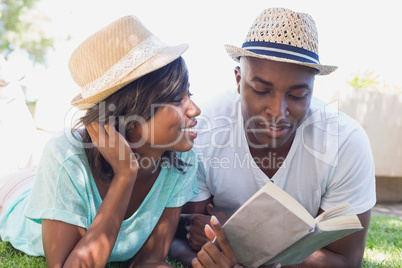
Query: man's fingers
209	232
222	239
186	218
210	209
216	256
195	224
196	263
196	241
207	256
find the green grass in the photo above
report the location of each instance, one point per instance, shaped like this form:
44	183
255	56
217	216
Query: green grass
383	248
9	257
384	242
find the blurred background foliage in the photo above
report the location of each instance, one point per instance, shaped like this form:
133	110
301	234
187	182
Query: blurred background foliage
369	80
23	27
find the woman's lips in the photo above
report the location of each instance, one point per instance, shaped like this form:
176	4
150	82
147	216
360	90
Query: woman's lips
190	130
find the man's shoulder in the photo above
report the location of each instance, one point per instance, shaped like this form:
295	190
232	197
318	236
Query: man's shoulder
323	115
326	130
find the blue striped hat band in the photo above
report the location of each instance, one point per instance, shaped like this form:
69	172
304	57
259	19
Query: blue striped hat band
282	51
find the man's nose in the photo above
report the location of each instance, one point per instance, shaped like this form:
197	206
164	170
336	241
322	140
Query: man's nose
278	107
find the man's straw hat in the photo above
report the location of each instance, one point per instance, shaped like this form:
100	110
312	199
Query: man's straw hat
280	34
115	56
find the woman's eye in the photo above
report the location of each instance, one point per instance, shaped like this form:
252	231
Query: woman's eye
177	100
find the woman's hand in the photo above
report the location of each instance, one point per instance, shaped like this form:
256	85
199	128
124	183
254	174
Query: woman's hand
114	148
210	255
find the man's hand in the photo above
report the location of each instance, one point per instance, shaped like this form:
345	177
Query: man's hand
210	255
195	225
218	254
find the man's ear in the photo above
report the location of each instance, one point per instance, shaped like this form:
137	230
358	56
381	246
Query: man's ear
238	77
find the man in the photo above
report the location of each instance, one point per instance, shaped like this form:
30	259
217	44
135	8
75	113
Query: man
273	129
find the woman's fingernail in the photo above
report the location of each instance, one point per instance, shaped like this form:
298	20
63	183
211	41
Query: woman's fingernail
214	220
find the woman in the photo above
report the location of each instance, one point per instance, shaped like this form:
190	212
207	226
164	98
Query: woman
113	190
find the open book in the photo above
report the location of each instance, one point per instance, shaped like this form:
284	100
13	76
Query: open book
272	227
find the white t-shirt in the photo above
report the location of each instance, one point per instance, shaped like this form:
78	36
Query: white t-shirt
329	163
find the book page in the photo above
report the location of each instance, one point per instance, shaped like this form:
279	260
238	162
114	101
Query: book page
262	229
336	211
338	217
340	222
287	201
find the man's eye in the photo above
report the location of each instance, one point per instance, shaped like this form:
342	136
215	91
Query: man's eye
298	97
260	92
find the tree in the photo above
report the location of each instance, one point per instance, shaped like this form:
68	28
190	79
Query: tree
22	28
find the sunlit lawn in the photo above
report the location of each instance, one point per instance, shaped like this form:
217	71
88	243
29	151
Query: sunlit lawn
383	248
384	243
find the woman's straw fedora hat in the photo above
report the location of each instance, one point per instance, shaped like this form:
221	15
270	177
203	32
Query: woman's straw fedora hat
115	56
280	34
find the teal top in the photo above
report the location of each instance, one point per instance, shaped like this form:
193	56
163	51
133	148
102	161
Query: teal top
65	190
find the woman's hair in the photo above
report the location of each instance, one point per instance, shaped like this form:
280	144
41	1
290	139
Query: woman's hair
135	100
